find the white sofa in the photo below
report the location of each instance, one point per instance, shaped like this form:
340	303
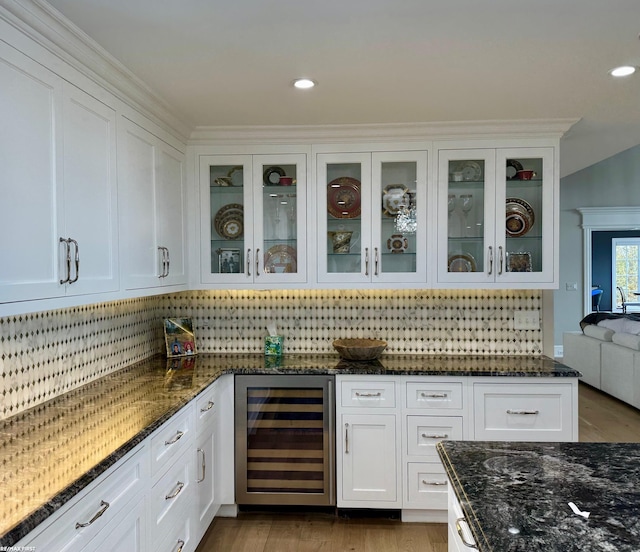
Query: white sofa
607	352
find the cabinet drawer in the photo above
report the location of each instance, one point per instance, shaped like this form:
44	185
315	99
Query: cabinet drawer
427	486
171	498
206	408
434	395
530	412
96	509
179	538
368	394
425	432
171	440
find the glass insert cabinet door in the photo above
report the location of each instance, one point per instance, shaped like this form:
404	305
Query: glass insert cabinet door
495	209
251	229
371	219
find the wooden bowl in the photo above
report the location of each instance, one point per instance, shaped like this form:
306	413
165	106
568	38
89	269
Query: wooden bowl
359	349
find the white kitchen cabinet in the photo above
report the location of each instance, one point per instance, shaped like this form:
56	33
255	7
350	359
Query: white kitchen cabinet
460	538
372	216
127	531
59	185
152	204
532	411
253	218
497	227
368	443
108	505
206	440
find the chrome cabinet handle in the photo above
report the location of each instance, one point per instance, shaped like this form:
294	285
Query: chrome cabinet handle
209	406
76	260
435	436
177	437
434	395
501	260
459	529
366	261
176	492
163	261
523	412
180	546
490	260
168	261
433	483
258	262
103	508
346	439
378	394
203	465
248	262
376	261
67	259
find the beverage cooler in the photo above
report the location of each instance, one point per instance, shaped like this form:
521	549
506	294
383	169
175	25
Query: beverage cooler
284	440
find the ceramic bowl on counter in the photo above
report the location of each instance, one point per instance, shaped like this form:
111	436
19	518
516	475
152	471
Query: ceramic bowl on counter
359	349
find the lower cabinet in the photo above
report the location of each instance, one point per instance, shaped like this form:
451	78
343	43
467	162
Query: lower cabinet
459	535
127	531
367	434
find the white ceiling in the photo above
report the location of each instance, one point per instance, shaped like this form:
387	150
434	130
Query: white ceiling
231	62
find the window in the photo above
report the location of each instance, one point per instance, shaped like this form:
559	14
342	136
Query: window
626	265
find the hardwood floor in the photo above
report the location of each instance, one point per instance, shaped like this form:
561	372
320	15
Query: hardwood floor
602	419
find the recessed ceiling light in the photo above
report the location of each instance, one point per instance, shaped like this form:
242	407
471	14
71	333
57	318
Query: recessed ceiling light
303	83
623	71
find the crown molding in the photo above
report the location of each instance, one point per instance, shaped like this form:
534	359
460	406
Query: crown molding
43	24
292	134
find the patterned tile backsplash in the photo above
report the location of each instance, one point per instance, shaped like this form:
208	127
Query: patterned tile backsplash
45	354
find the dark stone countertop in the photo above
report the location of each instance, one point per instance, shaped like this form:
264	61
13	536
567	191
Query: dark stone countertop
52	451
515	495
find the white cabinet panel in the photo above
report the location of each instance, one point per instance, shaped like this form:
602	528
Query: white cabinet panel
368	394
427	486
425	432
30	155
431	395
152	206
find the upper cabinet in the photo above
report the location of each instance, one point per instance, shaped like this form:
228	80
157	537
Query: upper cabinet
253	219
152	205
371	214
497	217
58	152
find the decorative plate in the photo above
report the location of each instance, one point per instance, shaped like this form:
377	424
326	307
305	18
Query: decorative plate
229	221
271	176
519	217
393	196
397	243
343	197
471	170
519	262
513	167
280	259
462	263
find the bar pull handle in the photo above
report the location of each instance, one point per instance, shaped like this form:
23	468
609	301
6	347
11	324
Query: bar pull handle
248	262
209	406
366	261
376	261
523	412
168	261
67	260
178	489
258	262
175	439
103	508
203	465
459	529
346	439
501	260
490	260
368	395
76	260
435	436
180	545
434	395
434	483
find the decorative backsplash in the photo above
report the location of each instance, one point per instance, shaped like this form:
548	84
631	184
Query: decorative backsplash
43	355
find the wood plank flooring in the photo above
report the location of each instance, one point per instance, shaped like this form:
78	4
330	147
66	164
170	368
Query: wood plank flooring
601	418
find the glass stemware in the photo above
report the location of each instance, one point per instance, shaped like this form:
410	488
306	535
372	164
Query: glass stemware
466	204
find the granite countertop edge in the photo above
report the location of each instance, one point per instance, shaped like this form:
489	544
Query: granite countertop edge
285	365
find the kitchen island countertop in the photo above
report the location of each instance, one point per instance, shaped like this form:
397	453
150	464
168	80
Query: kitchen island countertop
515	496
52	451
